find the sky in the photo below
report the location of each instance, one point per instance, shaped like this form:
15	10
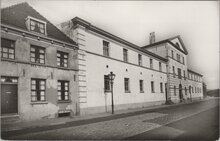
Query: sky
197	22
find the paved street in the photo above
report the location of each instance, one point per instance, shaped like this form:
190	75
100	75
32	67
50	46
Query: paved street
189	121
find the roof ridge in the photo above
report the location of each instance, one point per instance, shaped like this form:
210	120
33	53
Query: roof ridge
11	6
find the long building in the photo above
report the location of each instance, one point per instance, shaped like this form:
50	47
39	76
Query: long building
150	75
47	73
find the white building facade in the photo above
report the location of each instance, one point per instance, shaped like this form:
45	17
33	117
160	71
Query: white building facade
145	76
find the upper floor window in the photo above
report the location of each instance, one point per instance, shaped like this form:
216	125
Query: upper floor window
152	87
172	53
151	63
178	57
141	83
185	91
63	90
126	84
139	60
7	49
125	55
174	71
183	60
38	87
106	83
184	74
36	25
37	54
160	66
179	73
62	59
106	48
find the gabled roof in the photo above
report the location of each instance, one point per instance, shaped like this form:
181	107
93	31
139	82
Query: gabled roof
95	29
169	40
15	16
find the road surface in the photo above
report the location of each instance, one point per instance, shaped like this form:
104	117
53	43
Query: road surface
197	120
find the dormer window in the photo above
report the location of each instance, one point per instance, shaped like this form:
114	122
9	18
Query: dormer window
177	44
36	25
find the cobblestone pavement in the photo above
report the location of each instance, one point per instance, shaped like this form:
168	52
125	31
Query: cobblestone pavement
123	127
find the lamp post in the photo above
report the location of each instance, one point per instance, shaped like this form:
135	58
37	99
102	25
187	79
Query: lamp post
111	78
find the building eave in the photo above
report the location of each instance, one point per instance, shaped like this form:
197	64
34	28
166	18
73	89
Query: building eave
7	28
194	72
95	29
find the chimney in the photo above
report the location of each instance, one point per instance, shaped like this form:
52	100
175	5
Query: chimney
152	37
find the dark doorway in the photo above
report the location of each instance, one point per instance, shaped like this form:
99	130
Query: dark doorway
180	92
166	91
9	99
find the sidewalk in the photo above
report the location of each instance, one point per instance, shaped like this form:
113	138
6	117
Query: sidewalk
81	120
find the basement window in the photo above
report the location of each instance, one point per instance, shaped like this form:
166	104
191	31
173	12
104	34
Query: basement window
64	113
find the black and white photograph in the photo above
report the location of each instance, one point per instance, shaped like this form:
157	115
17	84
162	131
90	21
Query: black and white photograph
109	70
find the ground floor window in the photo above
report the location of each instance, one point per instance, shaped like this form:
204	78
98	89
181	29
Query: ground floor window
38	90
185	91
63	90
152	87
141	83
106	83
175	90
126	84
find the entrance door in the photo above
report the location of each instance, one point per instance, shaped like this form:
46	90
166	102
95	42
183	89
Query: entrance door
9	98
180	91
166	91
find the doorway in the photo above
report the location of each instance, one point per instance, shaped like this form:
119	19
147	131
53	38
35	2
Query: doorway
180	92
9	96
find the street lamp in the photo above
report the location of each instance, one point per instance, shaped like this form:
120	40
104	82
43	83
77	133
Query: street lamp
111	77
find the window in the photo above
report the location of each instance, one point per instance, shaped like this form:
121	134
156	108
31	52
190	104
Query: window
178	57
106	48
192	90
37	25
185	91
160	66
177	44
174	71
172	53
37	54
62	59
7	49
139	60
183	61
8	79
126	84
189	89
161	87
175	90
106	83
125	55
63	90
151	63
38	87
152	87
184	74
179	73
195	90
141	83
